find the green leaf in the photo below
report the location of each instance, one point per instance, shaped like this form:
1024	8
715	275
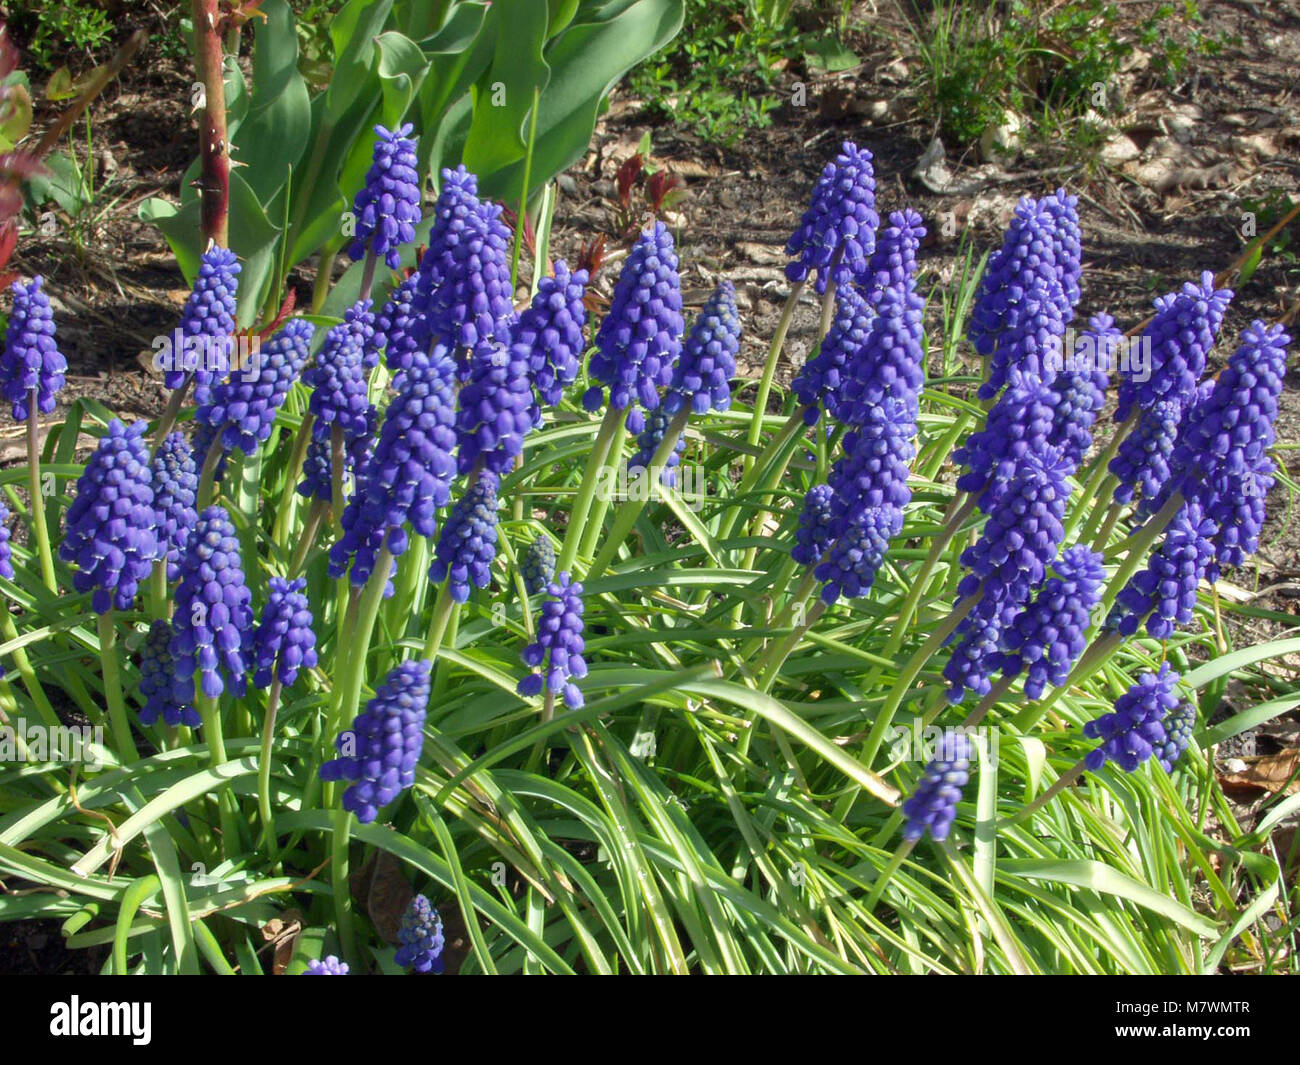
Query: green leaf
603	43
274	136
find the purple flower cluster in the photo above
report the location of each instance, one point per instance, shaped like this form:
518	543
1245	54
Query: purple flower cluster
816	525
468	543
1079	390
1020	423
338	377
890	363
327	966
110	525
379	755
1028	290
858	551
464	290
31	358
550	331
420	937
557	652
388	205
702	377
244	405
158	680
1166	589
837	234
821	379
1048	636
207	324
175	478
1019	540
1141	464
1179	339
639	341
537	566
933	805
893	264
495	408
407	477
284	641
1134	731
6	551
1179	724
398	328
214	618
648	441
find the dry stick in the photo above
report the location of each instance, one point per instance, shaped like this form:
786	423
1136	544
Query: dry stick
214	148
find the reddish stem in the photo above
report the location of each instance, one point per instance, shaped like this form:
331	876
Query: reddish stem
214	148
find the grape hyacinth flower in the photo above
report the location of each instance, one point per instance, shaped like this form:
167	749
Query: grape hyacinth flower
647	443
1080	388
893	264
889	364
6	551
207	324
380	753
317	483
550	331
1030	343
337	378
858	552
816	522
407	477
284	641
464	290
558	649
1021	422
175	488
468	543
421	938
111	524
1037	247
1067	241
1166	589
702	377
214	617
537	566
639	341
330	965
495	408
1178	340
837	233
387	207
933	805
1049	635
1179	724
31	358
1141	464
243	406
1133	732
157	680
398	329
821	380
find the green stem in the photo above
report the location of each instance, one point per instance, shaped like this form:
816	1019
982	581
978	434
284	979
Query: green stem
578	515
170	413
208	475
40	533
336	478
521	219
886	874
24	665
307	539
126	748
631	509
300	444
264	769
769	367
911	671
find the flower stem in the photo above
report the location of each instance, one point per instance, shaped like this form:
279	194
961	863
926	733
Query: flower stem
40	533
24	665
600	449
113	689
631	509
300	444
769	367
264	769
886	874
